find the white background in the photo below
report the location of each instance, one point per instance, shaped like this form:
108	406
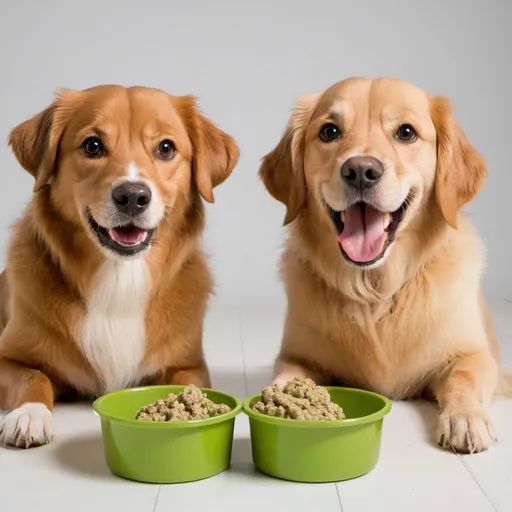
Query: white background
248	61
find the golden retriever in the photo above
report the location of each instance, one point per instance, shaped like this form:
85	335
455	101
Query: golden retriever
382	271
106	284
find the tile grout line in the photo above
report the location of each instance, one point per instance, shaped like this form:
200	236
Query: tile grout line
240	329
471	474
157	497
339	496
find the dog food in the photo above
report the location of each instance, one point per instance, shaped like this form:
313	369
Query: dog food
299	400
191	404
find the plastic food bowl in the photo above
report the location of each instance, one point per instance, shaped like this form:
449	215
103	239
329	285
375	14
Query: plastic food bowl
164	452
320	451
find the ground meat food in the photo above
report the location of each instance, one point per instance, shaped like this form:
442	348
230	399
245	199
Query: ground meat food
299	400
190	404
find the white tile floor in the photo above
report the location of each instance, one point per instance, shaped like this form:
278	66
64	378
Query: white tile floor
412	475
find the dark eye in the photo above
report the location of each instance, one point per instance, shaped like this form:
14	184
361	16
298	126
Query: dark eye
92	147
406	133
166	149
329	132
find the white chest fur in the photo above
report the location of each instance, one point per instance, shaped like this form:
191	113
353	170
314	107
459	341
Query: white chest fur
113	332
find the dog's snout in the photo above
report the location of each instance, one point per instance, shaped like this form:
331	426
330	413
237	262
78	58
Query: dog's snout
362	171
131	198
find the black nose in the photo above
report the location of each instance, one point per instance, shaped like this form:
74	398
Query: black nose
131	198
362	171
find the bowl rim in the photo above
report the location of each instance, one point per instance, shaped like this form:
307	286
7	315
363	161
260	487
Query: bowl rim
104	415
344	423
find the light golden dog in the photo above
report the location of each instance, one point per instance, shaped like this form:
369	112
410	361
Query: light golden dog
106	285
382	271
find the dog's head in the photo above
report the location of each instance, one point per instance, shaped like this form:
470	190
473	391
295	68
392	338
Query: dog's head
371	155
117	160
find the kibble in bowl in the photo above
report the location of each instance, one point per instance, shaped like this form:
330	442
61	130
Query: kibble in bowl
299	400
190	404
309	433
191	443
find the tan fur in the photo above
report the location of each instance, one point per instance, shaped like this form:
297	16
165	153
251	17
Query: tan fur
53	256
416	323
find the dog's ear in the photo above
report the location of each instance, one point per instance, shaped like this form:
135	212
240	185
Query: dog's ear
35	142
282	170
215	153
461	170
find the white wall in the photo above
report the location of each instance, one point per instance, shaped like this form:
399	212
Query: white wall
247	61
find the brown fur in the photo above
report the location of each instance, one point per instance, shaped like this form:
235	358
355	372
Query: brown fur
416	323
53	257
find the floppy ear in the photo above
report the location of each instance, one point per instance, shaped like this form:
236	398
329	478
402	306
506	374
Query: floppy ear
461	170
282	170
35	142
215	153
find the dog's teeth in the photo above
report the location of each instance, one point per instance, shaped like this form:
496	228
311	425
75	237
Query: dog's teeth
342	214
387	220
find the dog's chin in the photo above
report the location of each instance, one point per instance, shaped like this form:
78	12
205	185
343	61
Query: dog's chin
124	241
365	233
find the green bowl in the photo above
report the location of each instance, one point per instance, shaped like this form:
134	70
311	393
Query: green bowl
164	452
320	451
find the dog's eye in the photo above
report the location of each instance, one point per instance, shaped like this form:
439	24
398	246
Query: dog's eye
406	133
166	149
329	132
92	147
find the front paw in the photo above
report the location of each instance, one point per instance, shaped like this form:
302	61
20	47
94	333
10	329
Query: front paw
27	426
465	431
285	372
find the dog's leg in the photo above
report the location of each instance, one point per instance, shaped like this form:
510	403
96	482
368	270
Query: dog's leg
463	390
29	395
286	370
4	301
198	375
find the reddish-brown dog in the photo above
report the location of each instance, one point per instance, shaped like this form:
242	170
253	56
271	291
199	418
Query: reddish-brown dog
106	285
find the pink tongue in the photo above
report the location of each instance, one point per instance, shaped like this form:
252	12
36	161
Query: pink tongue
363	236
129	236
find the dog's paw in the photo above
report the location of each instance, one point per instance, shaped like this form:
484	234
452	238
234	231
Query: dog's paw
285	372
29	425
280	380
465	432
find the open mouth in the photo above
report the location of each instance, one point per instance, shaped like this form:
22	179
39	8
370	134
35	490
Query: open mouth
364	233
126	240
